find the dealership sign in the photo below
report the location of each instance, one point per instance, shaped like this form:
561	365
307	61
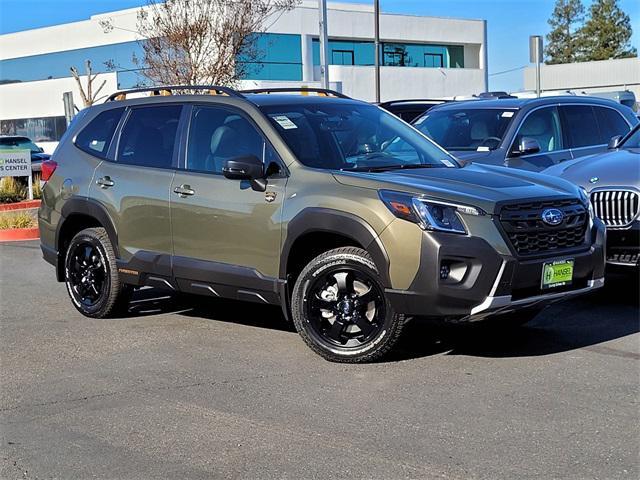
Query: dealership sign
16	163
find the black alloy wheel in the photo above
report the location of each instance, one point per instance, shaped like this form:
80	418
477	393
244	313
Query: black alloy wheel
87	274
340	310
91	275
345	307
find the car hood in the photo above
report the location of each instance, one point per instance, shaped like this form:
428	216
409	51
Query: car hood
619	168
483	186
39	156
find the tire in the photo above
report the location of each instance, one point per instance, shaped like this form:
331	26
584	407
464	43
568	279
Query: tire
91	275
340	310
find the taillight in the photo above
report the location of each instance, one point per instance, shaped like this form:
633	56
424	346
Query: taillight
47	169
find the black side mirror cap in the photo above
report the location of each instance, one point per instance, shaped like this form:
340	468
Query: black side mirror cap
243	168
614	142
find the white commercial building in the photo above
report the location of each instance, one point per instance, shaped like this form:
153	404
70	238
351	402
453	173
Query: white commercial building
421	57
588	77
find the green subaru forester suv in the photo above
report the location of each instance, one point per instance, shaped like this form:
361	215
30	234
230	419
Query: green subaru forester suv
350	219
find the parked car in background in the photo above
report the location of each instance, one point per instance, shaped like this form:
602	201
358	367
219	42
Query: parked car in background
612	180
532	134
16	142
409	110
625	97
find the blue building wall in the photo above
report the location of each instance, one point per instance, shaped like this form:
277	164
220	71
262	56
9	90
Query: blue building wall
393	54
281	52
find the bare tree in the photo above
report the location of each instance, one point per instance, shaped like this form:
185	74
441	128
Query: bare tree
191	42
88	95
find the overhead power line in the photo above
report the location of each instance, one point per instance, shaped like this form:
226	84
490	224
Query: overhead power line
508	71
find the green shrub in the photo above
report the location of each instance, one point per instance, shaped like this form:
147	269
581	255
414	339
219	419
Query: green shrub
17	220
11	190
37	189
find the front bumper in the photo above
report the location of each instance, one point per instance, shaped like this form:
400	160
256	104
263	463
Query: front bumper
492	283
623	246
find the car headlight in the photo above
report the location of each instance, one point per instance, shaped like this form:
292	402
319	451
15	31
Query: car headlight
428	213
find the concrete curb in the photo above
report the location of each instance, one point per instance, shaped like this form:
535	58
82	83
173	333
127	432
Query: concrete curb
6	207
18	234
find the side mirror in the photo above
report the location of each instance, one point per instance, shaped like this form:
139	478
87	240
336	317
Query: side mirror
527	146
41	150
243	168
614	142
246	168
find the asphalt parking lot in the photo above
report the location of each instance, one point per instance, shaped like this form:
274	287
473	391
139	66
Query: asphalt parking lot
186	388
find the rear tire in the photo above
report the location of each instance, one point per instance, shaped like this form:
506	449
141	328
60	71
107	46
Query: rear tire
91	275
340	310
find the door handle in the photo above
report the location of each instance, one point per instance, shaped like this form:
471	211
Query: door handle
105	182
184	191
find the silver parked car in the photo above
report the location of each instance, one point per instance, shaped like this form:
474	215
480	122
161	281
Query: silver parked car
612	180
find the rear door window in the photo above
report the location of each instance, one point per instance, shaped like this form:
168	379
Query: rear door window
96	137
582	126
611	123
148	137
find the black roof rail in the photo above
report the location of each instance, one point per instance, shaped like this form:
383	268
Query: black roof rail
413	100
168	90
324	91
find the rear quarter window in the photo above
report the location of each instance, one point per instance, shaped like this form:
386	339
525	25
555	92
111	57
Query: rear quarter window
611	123
96	137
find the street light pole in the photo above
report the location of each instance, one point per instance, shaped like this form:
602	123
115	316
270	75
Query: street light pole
536	56
376	14
324	44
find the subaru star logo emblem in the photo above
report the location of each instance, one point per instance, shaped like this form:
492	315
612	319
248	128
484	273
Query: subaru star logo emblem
552	216
593	179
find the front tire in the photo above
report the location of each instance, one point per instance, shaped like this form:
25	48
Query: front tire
340	310
91	275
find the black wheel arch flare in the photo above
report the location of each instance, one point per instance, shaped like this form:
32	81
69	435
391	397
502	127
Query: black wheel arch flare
89	208
327	220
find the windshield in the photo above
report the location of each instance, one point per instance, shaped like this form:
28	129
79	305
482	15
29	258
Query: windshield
18	143
350	136
633	140
466	129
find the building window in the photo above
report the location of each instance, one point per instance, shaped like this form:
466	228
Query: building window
343	52
395	55
342	57
279	57
433	60
43	129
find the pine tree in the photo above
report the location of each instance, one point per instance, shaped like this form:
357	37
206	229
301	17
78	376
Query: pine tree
564	40
607	32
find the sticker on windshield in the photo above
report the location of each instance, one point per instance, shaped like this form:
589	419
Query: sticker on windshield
285	122
483	149
447	162
507	114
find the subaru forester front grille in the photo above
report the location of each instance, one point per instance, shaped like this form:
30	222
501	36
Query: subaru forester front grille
529	234
616	208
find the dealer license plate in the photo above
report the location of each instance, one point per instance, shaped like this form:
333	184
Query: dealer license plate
557	274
